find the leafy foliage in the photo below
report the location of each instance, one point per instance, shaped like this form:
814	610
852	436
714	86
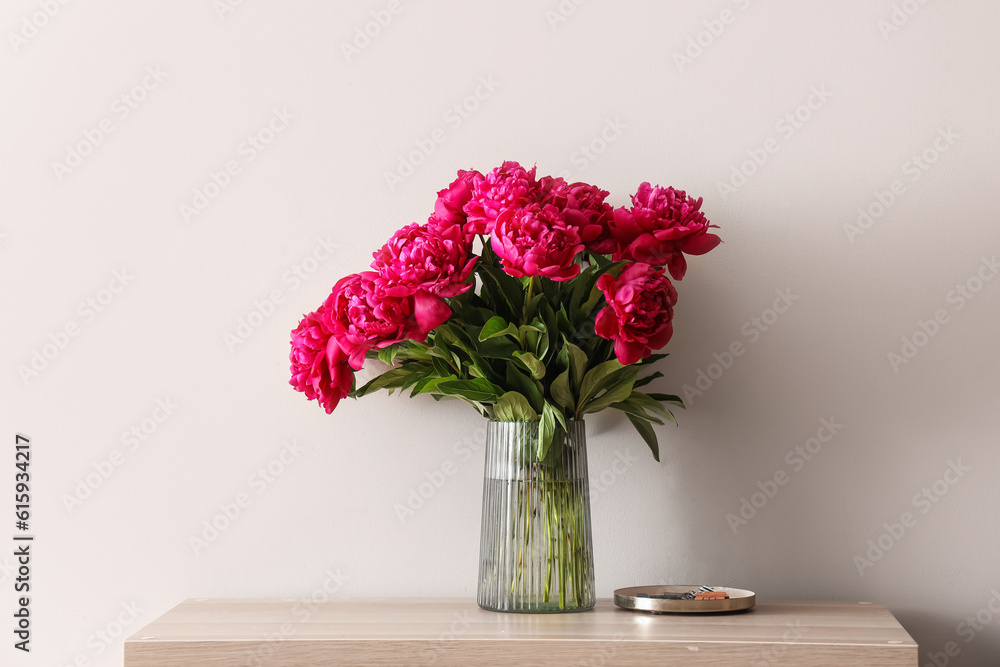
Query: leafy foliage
523	350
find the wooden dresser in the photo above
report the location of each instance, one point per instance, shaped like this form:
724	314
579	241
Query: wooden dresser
452	632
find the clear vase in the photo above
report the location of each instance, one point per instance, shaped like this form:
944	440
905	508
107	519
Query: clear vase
536	553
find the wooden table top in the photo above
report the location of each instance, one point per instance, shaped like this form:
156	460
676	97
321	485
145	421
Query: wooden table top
455	631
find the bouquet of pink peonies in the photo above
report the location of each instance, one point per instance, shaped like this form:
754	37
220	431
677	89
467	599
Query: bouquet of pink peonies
552	319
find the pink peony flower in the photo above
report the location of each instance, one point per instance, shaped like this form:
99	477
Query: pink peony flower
418	258
449	207
362	316
319	367
535	241
662	225
639	314
550	188
583	207
507	186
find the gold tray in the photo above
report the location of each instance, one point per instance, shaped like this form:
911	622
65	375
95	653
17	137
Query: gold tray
739	600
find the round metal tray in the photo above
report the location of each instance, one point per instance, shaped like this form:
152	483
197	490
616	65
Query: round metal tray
739	600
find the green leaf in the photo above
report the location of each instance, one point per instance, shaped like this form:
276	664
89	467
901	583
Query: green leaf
649	403
577	365
615	393
667	398
561	392
528	336
429	385
411	349
595	296
484	367
595	376
531	389
418	374
532	364
532	308
475	390
550	288
546	430
509	286
387	355
498	348
534	337
581	287
586	287
642	382
602	261
441	366
456	334
559	415
632	409
563	323
652	358
391	379
497	326
647	433
513	407
551	327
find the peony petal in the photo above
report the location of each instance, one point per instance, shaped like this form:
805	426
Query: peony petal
677	266
671	291
646	248
399	290
659	340
625	293
624	226
606	324
334	354
635	271
698	244
568	273
430	311
627	352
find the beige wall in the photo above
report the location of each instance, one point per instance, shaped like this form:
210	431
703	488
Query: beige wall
831	99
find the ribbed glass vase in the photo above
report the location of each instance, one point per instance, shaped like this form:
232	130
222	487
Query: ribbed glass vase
536	554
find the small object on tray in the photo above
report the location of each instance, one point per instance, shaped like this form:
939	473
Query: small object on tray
685	599
714	595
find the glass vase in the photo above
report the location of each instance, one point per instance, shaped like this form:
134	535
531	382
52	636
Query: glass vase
536	553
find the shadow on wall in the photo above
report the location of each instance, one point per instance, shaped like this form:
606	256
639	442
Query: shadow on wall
953	642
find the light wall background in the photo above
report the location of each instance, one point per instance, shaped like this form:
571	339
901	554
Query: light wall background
553	80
